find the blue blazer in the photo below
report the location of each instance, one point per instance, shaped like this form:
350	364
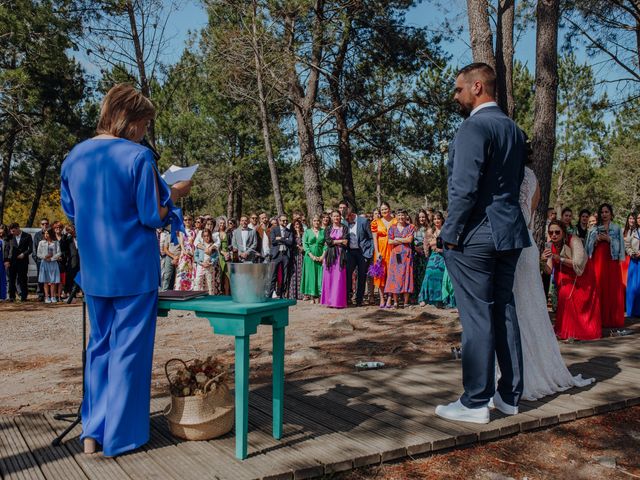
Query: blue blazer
108	189
485	170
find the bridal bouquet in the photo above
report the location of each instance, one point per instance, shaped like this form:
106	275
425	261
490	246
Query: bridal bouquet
376	269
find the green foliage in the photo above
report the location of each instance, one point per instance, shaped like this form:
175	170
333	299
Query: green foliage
42	91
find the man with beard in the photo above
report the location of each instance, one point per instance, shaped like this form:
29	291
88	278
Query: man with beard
484	235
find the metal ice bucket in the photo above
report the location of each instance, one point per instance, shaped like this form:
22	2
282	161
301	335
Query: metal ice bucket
250	282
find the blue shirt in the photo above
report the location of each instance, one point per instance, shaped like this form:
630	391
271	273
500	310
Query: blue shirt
108	189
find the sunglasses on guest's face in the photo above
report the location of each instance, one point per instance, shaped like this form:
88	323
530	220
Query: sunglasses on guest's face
555	232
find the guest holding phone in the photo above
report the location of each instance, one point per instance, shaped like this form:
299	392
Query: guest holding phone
578	315
605	247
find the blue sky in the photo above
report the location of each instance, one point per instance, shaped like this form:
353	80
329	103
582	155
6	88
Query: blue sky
192	17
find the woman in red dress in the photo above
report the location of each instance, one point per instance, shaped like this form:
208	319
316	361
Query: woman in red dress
578	313
605	247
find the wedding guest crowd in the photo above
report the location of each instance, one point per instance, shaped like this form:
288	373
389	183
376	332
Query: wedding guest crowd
54	251
343	258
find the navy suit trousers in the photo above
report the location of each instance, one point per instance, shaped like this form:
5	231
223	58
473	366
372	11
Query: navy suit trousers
356	261
483	283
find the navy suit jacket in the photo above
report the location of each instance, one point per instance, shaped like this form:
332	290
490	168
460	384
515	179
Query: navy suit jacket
365	238
486	168
286	240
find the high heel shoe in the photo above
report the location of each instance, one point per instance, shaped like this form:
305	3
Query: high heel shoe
89	445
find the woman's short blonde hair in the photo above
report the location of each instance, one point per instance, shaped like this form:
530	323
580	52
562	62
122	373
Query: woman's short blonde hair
122	111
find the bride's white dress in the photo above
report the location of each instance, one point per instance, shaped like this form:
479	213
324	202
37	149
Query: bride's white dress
544	370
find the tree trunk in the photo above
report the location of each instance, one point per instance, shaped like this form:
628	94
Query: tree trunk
304	102
480	32
443	182
504	56
230	196
6	169
35	203
310	163
142	72
264	116
345	153
379	180
546	97
239	196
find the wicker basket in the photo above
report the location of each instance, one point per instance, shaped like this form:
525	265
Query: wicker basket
201	417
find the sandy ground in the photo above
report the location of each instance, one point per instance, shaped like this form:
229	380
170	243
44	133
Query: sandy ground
40	358
40	346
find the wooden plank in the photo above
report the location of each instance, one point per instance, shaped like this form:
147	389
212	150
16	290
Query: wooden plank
337	451
55	462
423	438
388	448
292	449
95	466
500	424
16	460
210	461
339	406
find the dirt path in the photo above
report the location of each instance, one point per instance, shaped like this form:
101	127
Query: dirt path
40	346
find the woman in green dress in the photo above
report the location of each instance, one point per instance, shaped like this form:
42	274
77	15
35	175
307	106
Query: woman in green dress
313	243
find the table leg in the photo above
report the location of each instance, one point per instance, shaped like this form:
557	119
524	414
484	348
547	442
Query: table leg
242	395
278	381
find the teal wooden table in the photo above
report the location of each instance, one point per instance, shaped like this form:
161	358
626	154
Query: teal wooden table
241	320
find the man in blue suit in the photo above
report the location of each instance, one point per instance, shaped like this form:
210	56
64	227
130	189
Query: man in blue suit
484	235
360	251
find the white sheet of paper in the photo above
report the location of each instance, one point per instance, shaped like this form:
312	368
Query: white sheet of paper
178	174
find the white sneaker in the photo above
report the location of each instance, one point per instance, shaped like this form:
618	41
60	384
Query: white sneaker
47	300
54	300
504	407
457	411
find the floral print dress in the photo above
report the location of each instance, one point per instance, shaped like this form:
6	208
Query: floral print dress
185	271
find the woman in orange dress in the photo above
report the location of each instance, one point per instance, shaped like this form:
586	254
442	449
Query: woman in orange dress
380	228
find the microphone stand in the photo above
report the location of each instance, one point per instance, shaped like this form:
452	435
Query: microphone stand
75	418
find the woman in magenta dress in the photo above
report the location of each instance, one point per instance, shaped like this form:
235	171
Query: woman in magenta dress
605	247
400	271
578	313
334	268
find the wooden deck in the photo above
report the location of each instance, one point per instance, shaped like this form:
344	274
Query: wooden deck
331	424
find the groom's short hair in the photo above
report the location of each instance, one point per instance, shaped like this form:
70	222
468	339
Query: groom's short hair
483	72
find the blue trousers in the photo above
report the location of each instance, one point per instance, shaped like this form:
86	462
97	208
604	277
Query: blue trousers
482	278
633	288
115	409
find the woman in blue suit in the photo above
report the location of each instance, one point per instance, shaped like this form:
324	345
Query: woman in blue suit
111	190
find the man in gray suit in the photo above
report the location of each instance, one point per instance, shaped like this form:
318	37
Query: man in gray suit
484	235
245	241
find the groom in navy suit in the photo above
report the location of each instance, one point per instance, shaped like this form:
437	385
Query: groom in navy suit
484	235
